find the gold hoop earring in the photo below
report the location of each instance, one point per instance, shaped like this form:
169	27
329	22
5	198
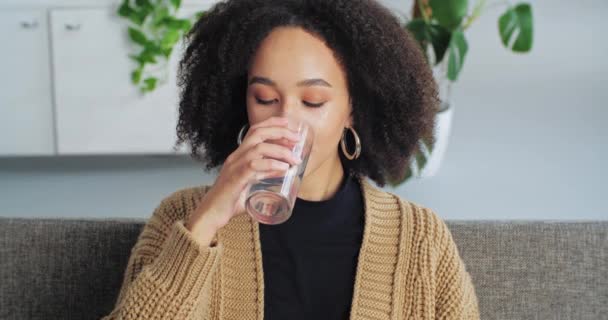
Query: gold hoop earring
357	144
239	138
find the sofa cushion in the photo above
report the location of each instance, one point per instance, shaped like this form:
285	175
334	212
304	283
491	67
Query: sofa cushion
62	269
73	269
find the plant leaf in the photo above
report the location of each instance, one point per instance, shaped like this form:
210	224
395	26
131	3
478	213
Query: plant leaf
147	56
407	175
420	159
515	27
186	25
137	36
429	142
139	16
440	38
152	47
449	13
169	39
137	59
436	35
143	3
125	10
173	23
150	83
478	8
418	28
157	36
136	75
159	16
457	51
136	18
176	3
200	14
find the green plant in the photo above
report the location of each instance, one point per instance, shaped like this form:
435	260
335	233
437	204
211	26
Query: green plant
155	28
439	27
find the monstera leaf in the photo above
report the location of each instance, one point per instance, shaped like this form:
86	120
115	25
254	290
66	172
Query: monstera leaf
449	13
515	27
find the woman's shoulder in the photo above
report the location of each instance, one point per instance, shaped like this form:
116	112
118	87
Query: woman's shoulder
186	193
421	218
179	203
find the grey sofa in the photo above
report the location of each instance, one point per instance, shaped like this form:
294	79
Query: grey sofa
72	269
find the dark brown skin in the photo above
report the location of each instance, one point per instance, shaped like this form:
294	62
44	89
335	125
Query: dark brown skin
286	57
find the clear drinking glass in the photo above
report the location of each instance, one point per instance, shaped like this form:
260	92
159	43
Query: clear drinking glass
270	200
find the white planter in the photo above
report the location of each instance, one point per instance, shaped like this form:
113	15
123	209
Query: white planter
435	157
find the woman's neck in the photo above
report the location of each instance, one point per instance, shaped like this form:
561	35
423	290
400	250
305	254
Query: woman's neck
324	182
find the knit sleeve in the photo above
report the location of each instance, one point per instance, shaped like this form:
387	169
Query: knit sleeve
455	292
168	275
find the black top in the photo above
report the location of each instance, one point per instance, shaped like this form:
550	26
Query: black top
310	260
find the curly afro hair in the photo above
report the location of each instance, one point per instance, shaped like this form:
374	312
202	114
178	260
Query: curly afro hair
394	95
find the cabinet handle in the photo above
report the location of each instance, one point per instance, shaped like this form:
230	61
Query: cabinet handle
72	27
29	25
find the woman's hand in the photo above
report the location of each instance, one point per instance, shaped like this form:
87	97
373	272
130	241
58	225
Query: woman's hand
255	158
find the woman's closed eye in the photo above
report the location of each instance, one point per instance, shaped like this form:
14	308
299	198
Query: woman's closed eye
309	104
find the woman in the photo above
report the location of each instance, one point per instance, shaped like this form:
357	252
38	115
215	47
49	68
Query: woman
350	249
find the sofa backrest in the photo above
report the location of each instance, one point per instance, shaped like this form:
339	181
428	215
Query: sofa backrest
73	269
536	269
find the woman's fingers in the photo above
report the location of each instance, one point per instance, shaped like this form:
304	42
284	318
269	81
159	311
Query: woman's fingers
263	157
268	168
272	150
270	129
268	165
269	133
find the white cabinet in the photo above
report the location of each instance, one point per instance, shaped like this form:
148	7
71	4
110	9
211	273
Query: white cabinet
26	109
98	109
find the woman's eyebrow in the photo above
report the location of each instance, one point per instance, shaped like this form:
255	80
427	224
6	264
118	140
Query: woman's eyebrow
303	83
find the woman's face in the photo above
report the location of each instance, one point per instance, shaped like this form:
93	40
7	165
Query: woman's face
295	73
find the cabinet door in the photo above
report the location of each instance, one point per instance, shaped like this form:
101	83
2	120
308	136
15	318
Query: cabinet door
99	110
26	110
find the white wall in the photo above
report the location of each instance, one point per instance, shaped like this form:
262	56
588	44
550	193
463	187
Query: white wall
529	133
528	138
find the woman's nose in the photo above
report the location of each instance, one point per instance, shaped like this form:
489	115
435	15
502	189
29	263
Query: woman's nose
289	108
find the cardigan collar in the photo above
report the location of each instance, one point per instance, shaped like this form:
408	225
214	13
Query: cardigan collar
379	265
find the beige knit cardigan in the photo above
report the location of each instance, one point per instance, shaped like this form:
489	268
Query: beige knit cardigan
408	266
